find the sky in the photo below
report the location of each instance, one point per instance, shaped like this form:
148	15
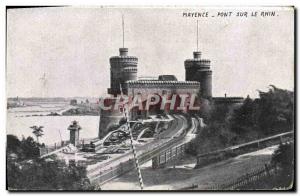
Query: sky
65	51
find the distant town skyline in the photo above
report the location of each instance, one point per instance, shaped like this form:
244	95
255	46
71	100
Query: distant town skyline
65	51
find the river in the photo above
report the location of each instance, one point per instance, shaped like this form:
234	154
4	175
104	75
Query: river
19	121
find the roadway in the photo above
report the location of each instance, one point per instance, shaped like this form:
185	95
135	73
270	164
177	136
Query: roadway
182	136
178	126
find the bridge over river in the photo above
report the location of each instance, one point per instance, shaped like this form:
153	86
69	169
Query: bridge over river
179	132
107	162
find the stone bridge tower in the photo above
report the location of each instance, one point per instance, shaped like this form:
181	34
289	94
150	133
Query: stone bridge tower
122	69
198	69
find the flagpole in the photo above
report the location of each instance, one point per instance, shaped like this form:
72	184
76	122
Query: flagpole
197	36
123	29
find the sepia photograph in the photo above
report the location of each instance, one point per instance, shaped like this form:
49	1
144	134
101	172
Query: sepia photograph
161	98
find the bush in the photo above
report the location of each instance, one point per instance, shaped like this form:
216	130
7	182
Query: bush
229	125
26	171
24	149
213	137
283	158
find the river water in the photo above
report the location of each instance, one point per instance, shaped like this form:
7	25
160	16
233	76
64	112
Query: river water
19	121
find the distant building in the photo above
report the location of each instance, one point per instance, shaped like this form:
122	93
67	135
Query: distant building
228	100
167	78
73	102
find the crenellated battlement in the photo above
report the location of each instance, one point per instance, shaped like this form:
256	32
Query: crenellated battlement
202	61
127	69
121	65
206	71
123	59
162	84
194	63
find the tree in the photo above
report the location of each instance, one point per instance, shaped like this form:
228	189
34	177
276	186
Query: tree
275	111
270	114
26	171
13	144
283	158
46	174
213	137
241	119
37	131
30	149
27	148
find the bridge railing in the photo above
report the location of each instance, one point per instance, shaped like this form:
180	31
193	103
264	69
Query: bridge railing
113	172
142	157
171	154
124	167
149	155
167	152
